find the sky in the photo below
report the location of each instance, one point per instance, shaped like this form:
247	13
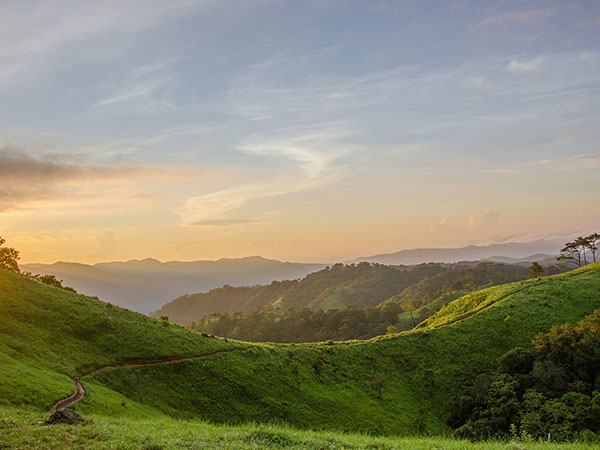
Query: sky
300	131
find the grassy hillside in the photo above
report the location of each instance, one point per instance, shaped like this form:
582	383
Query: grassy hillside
402	384
337	386
48	335
458	279
341	286
335	320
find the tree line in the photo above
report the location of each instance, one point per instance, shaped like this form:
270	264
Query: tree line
305	325
9	260
550	391
577	251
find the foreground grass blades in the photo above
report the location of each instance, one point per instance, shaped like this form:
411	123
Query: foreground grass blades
20	430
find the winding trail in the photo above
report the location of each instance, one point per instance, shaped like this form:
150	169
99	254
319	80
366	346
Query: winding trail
80	392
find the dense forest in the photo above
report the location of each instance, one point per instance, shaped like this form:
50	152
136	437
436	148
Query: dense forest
359	285
436	285
301	326
550	391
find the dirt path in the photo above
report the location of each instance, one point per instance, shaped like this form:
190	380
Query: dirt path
66	402
80	392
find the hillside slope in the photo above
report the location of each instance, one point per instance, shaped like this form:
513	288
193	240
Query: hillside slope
334	287
420	373
48	335
402	384
357	286
427	295
460	278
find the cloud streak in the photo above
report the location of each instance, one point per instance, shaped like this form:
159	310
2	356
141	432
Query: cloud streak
146	86
520	66
483	221
313	166
43	31
28	179
521	17
582	161
18	169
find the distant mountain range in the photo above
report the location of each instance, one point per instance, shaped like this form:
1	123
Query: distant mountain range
511	252
145	285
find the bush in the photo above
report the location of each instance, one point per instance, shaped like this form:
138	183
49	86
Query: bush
8	257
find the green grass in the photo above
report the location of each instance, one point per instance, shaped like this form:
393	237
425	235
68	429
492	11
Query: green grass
424	312
339	298
47	335
20	429
330	386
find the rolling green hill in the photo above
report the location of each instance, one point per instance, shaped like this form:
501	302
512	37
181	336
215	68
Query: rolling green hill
341	286
48	335
347	322
402	384
460	278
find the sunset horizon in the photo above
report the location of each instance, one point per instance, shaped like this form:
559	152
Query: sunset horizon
312	132
303	225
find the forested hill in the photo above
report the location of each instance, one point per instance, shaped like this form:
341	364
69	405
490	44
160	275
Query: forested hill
463	278
335	287
341	286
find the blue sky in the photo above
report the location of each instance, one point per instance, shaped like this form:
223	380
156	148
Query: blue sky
311	130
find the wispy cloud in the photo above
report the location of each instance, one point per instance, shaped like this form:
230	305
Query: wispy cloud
126	147
107	245
519	66
42	33
502	171
33	179
582	161
19	168
484	221
443	225
528	16
146	86
314	154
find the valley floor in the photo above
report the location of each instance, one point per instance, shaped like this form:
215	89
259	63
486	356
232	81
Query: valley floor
22	429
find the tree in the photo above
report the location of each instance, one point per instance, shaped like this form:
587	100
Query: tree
8	257
593	240
535	270
410	306
582	245
576	251
392	329
378	384
570	253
